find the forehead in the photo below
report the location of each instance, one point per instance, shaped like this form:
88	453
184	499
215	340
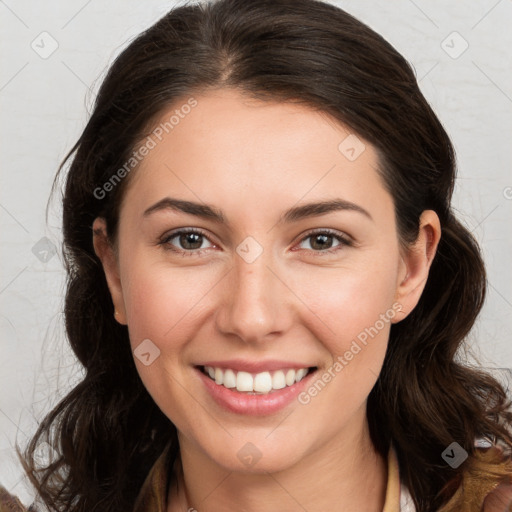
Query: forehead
228	145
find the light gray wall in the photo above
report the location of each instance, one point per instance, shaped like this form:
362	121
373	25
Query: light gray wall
44	100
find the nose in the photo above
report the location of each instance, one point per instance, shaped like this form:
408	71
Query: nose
256	304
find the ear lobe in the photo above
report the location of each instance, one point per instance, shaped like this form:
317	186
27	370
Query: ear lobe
416	264
105	252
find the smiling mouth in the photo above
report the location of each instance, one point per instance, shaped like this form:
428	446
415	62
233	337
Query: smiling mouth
261	383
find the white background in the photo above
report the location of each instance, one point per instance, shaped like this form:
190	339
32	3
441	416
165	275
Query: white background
45	104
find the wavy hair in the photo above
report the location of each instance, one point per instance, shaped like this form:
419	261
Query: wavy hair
107	432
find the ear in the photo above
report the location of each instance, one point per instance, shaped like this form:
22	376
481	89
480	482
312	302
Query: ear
105	252
415	264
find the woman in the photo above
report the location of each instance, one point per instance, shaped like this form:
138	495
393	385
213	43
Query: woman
267	285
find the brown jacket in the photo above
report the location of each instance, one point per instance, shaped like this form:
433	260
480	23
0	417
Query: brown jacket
153	494
9	503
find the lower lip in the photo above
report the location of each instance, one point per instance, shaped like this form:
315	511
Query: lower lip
254	405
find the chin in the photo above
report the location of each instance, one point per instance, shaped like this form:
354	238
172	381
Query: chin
254	458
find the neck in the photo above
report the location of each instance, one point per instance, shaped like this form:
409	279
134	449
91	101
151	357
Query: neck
342	475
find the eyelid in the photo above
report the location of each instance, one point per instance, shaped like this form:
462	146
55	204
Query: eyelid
164	241
328	231
344	239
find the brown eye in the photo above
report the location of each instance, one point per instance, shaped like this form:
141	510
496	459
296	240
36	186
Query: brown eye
320	242
190	240
186	241
324	241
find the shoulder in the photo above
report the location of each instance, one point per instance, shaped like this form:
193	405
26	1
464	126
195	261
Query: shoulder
492	470
10	503
499	500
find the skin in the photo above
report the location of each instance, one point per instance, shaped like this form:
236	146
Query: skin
255	160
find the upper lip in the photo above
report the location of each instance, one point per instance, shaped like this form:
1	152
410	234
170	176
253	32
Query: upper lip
244	365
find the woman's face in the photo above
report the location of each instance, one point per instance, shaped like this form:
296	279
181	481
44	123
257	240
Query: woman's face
293	262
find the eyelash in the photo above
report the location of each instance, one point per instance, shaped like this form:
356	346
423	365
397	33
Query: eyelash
344	240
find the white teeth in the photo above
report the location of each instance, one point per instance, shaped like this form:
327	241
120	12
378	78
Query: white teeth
229	379
290	377
244	381
263	382
278	380
300	374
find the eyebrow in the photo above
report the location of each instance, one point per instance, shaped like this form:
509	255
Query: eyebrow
292	215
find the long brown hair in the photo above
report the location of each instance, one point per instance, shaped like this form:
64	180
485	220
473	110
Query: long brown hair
107	432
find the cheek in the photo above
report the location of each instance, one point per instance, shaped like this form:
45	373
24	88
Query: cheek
165	305
162	302
347	301
350	312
